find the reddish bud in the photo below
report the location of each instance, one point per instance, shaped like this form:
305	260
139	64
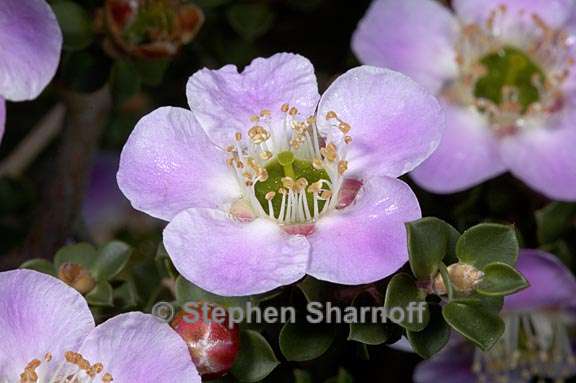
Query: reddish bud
213	342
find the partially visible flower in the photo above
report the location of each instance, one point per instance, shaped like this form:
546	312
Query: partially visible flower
505	70
48	336
261	188
30	45
212	339
536	342
152	28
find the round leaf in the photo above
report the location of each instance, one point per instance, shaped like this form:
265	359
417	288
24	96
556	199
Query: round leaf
474	322
433	338
427	245
101	295
501	279
75	23
487	243
365	332
111	260
256	359
304	341
402	293
81	253
41	265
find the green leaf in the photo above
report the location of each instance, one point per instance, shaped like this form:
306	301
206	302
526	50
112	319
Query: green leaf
250	20
101	295
127	294
342	377
501	279
111	260
427	245
75	23
301	376
41	265
81	253
402	293
487	243
302	341
433	338
555	220
366	332
124	80
474	322
315	290
256	359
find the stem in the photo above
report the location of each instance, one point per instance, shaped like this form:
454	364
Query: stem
286	159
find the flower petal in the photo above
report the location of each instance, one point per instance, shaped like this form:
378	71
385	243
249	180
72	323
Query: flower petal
168	165
467	155
396	123
366	241
552	285
553	12
224	100
38	314
137	347
451	365
230	258
415	37
29	48
544	157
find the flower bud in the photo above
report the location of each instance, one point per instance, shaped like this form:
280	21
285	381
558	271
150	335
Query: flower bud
212	340
464	278
76	276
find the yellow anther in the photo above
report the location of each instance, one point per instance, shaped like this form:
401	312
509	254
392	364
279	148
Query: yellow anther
301	184
262	174
315	187
239	164
330	115
265	113
266	155
293	111
285	108
344	127
317	164
107	378
326	194
238	136
254	118
342	167
270	195
347	140
330	152
288	182
48	357
282	191
230	148
258	134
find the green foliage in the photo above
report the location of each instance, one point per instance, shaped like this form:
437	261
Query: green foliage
75	23
487	243
256	359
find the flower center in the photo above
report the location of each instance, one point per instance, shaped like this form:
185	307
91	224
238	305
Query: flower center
533	345
512	69
510	77
74	369
288	172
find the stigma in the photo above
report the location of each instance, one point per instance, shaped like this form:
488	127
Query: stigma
287	171
74	369
534	345
512	72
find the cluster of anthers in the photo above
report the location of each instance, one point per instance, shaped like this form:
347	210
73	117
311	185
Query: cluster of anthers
542	56
533	345
288	171
75	369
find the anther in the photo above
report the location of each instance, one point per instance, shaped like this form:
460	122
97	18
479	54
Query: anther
331	115
285	108
270	195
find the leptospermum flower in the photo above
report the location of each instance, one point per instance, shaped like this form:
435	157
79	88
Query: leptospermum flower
504	69
48	336
536	341
263	181
29	50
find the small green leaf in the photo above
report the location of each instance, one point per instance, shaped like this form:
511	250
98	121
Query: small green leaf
487	243
250	20
187	292
256	359
101	295
75	23
427	245
81	253
501	279
124	80
41	265
474	322
366	332
111	260
315	290
555	220
403	294
303	341
127	294
301	376
433	338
